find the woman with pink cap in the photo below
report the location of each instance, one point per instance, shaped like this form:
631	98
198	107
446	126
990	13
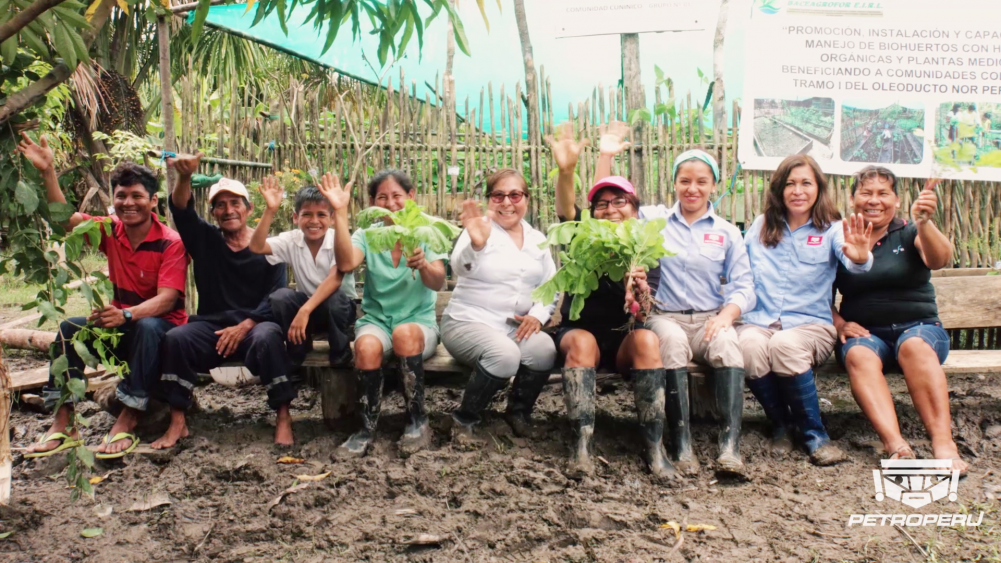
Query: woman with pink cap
597	338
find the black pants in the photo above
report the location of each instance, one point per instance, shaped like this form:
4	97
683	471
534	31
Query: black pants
190	349
336	315
139	348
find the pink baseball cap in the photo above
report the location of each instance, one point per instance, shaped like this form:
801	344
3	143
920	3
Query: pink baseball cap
611	182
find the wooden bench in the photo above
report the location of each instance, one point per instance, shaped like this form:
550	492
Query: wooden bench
967	299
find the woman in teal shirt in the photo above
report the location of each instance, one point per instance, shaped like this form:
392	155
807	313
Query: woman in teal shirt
795	248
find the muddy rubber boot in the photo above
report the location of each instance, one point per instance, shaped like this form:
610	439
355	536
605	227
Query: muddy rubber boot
480	390
648	390
578	396
368	405
521	399
729	384
800	393
417	433
679	428
766	390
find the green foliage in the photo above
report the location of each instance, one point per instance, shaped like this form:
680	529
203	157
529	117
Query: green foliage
51	36
410	225
596	248
125	146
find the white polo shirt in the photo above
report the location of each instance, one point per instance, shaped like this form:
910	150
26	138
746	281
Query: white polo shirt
290	248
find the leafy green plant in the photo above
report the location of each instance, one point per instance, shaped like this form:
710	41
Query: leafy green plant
409	226
596	248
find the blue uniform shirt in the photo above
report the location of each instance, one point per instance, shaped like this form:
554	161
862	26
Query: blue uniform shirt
705	251
793	280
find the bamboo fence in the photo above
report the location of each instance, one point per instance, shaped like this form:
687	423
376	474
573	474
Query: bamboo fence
449	157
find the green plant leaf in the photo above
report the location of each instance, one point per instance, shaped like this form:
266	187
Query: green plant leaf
60	365
26	196
84	455
85	354
77	387
91	532
6	534
60	212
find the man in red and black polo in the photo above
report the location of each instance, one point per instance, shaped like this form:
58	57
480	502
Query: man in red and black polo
147	265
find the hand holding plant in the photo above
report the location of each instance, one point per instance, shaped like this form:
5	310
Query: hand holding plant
410	227
565	150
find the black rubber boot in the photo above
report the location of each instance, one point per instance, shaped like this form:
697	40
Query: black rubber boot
729	383
417	433
766	390
368	404
578	395
648	389
676	399
480	390
521	399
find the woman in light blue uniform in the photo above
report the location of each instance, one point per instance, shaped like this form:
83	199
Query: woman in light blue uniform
795	248
695	309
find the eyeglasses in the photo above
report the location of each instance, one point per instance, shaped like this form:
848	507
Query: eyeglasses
515	197
617	203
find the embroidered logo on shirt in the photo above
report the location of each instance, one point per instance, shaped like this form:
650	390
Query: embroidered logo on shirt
898	250
814	240
716	240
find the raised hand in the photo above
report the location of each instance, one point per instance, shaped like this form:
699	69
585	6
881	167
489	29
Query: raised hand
923	208
330	186
476	224
565	150
612	135
857	238
272	192
39	155
185	164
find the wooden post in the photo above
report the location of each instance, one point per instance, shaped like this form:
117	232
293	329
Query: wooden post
635	99
166	95
6	461
532	92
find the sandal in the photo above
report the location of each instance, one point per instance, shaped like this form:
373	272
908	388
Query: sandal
65	444
903	452
120	436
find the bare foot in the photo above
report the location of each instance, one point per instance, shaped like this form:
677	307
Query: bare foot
59	424
177	430
950	451
283	427
126	422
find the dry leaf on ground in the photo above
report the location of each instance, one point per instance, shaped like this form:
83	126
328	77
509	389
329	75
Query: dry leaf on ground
149	502
290	459
319	477
287	491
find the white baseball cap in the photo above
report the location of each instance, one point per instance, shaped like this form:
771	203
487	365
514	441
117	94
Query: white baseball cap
228	185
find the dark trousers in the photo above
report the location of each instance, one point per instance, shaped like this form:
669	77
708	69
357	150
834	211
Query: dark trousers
190	349
336	315
139	347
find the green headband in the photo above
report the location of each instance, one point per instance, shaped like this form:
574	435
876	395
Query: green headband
696	154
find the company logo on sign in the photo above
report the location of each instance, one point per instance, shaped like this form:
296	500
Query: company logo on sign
715	240
767	7
814	240
916	482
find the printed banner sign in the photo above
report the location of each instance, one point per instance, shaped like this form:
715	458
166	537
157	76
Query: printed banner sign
575	18
913	85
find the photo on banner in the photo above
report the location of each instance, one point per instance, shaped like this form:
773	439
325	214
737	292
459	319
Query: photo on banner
896	83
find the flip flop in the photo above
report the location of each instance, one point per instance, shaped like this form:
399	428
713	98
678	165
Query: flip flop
903	452
120	436
66	444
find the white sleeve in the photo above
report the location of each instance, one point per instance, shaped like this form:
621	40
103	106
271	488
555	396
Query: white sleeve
544	311
465	259
280	249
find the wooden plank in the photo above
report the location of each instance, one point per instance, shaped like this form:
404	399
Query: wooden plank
38	377
968	301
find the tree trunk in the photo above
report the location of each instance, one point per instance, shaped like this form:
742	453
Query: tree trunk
635	99
26	16
532	91
719	93
37	90
5	458
25	338
166	96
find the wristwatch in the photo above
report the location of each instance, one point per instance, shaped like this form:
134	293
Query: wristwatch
128	315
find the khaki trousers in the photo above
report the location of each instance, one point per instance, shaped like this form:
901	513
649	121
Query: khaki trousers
786	352
682	338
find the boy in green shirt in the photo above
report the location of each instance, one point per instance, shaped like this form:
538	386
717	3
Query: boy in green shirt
398	311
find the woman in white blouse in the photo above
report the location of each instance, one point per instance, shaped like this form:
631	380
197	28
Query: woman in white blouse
491	322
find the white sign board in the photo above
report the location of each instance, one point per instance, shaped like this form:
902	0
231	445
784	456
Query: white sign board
576	18
914	85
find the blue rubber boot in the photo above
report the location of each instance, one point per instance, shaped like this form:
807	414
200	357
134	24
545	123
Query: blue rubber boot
800	393
766	390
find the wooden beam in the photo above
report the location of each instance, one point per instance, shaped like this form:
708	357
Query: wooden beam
222	161
27	339
6	460
38	377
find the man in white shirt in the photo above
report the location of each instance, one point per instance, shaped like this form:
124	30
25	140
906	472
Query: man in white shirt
324	298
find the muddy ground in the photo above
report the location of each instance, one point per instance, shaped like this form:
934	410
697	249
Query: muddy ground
507	502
